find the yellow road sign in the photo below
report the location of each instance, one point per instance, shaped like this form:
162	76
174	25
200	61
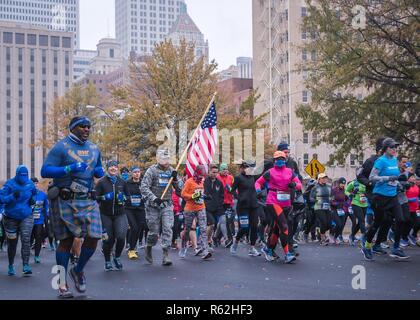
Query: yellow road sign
314	168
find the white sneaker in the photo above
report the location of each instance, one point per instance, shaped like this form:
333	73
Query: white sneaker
182	253
254	253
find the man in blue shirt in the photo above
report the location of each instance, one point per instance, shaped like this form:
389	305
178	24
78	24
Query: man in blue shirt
17	195
40	214
73	162
385	175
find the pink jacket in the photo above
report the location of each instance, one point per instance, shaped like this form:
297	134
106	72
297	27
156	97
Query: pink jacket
276	180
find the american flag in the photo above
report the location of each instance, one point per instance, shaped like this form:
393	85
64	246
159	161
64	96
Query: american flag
204	143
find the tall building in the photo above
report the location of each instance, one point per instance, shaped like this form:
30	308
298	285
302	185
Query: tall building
81	62
244	65
56	15
35	67
140	24
277	40
184	28
229	73
108	57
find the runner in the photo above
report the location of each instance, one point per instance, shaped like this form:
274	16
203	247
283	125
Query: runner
214	205
18	196
2	233
339	208
227	180
136	214
40	214
413	194
321	195
385	174
195	208
359	202
159	212
178	219
112	192
279	181
247	207
405	171
73	163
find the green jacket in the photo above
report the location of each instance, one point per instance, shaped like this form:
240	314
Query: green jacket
359	198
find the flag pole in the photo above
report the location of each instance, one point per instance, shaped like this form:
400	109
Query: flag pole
189	144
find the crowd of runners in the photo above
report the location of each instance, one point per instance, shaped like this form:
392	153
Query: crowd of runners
130	209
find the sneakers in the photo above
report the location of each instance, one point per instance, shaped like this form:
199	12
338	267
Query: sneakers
403	243
275	255
174	246
289	257
79	280
132	255
399	254
182	253
268	254
228	243
11	271
117	263
352	241
198	251
207	255
27	271
340	237
384	245
377	249
166	261
148	254
210	248
234	248
65	293
412	240
253	252
37	259
295	245
52	248
108	266
367	253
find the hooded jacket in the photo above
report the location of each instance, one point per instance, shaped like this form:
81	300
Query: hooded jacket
18	208
134	201
216	191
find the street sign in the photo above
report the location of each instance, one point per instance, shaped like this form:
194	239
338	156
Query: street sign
314	168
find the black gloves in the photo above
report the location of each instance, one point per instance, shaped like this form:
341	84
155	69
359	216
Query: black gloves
292	185
158	201
207	197
32	201
16	194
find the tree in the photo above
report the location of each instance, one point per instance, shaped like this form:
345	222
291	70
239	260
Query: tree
379	59
170	86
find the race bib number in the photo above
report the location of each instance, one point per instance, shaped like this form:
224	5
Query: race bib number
181	217
163	180
283	196
325	206
37	216
340	212
135	201
78	188
244	221
363	199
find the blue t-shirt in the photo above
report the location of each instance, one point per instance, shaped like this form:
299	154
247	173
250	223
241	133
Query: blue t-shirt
386	167
67	152
40	209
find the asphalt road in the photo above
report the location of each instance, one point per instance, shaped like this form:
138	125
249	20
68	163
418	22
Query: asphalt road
320	273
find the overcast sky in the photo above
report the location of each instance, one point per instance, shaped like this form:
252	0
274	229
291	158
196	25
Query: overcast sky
227	24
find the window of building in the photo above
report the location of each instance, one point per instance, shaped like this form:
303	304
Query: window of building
304	55
305	159
20	38
303	12
7	37
315	156
314	137
111	53
66	41
43	40
353	159
305	137
55	41
331	160
305	96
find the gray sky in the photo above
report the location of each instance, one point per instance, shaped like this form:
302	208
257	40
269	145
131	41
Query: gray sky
227	24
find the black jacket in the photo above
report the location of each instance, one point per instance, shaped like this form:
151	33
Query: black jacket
215	190
363	175
134	201
247	196
111	207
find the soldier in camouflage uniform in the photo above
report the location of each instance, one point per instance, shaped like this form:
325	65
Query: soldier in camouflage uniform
159	212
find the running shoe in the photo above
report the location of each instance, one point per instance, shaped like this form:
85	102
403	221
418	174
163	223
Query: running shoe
198	251
367	253
295	245
340	237
399	254
108	266
206	255
253	252
352	241
132	255
37	259
289	257
117	263
78	279
65	293
27	271
234	248
403	243
268	254
377	249
275	255
52	248
174	246
228	243
182	253
384	245
11	271
412	240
